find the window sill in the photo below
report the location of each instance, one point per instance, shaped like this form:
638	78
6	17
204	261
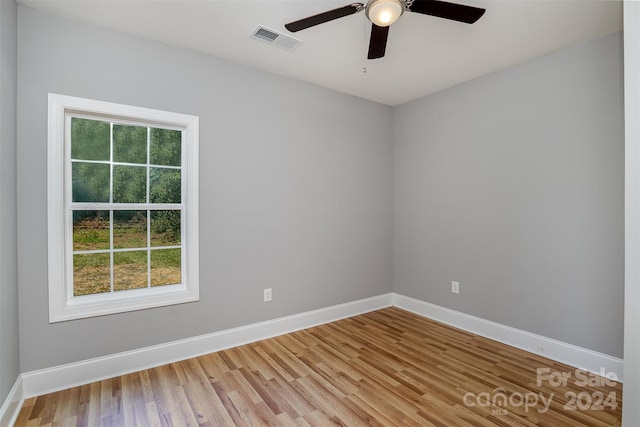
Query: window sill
123	301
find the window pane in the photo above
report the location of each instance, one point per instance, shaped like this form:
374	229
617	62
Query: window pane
129	144
165	185
129	184
91	274
90	230
165	228
129	229
89	139
165	267
129	270
165	147
90	182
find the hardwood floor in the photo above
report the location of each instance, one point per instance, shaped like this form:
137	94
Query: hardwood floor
384	368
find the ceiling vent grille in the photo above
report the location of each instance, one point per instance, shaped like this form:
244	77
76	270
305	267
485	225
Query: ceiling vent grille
275	38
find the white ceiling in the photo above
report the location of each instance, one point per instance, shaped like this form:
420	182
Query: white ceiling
424	54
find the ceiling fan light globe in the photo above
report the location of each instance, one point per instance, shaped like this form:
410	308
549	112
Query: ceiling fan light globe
384	12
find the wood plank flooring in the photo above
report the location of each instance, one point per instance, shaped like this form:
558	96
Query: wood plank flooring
384	368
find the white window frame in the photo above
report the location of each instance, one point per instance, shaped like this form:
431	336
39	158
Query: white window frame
63	305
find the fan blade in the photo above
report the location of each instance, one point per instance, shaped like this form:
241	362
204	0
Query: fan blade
378	41
323	17
446	10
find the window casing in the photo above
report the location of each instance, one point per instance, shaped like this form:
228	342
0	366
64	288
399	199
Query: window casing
122	208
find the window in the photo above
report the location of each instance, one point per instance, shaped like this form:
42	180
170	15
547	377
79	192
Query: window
123	208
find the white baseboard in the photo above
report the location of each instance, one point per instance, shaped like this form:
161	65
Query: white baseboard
57	378
48	380
578	357
12	404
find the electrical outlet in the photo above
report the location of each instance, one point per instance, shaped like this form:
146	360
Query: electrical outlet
267	295
455	287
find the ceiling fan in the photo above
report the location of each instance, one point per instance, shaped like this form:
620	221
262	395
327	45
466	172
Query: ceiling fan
383	13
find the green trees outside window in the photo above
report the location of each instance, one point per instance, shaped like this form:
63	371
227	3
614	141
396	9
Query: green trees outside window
117	247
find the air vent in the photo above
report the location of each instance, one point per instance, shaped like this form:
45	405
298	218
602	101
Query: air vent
275	38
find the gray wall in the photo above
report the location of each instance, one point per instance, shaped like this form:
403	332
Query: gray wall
9	345
513	185
295	187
